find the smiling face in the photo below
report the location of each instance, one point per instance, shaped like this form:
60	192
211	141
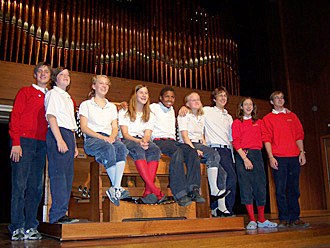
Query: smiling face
43	76
142	96
278	101
247	107
63	79
221	100
101	87
194	102
168	99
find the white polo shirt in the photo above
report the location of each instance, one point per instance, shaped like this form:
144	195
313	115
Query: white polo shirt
99	119
217	126
59	104
194	125
138	127
164	126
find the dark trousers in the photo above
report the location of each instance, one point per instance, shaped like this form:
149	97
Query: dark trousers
60	169
286	180
227	164
180	183
252	183
27	181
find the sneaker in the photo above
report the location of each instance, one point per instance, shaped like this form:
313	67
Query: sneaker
123	193
195	196
18	234
184	201
267	223
283	224
32	234
298	223
113	195
252	225
150	199
66	220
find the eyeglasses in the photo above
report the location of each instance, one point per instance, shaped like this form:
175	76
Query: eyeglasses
278	97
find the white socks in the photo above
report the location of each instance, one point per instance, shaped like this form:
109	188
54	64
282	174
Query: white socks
115	173
212	175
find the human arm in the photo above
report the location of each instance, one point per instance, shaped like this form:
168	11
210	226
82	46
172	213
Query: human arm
186	140
302	156
247	162
272	161
86	130
183	111
61	145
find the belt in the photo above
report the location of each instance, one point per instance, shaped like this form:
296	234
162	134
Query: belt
220	146
197	141
164	139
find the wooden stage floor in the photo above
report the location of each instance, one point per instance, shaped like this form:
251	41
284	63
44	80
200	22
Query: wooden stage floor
317	235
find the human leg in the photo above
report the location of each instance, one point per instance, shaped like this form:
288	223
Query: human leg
293	192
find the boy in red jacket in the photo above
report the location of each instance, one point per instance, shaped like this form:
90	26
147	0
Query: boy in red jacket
283	136
28	129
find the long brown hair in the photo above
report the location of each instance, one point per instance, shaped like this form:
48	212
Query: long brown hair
94	80
131	112
240	112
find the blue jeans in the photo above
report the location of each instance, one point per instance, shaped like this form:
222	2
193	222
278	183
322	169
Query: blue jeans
60	169
227	164
27	181
286	180
104	152
180	183
212	159
136	152
252	183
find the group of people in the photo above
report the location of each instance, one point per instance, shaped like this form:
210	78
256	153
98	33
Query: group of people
43	122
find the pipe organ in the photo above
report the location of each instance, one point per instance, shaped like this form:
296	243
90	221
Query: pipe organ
173	42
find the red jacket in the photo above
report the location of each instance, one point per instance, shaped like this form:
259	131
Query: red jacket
282	131
28	116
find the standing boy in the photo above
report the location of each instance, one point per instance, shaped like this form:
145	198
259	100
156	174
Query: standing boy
28	129
185	188
218	136
283	136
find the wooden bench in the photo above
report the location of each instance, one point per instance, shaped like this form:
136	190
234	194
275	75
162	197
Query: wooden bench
102	210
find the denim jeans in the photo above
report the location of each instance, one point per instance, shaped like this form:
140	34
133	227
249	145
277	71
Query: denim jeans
136	152
286	180
60	169
227	164
104	152
180	183
252	183
27	184
212	159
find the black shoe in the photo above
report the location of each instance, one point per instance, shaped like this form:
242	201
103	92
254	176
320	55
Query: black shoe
184	201
66	220
217	213
195	196
214	198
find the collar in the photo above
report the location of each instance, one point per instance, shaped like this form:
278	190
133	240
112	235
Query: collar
224	112
247	118
59	90
165	109
277	112
106	103
37	87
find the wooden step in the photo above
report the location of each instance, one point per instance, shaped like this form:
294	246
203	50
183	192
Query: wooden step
97	230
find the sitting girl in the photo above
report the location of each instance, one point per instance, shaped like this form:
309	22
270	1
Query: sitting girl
191	127
98	121
136	126
246	132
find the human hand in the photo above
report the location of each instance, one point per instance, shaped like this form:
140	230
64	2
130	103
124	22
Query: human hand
61	146
16	153
273	163
183	111
302	158
248	164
